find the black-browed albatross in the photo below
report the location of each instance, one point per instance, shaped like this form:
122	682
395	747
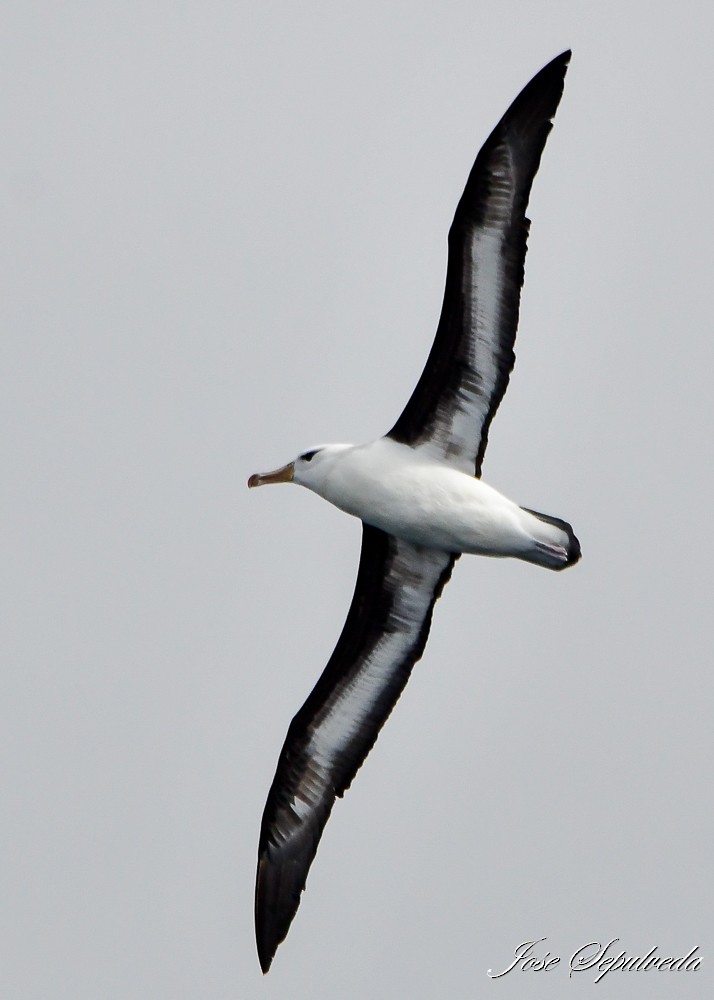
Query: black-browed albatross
422	503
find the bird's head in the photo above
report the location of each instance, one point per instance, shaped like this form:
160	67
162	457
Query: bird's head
309	469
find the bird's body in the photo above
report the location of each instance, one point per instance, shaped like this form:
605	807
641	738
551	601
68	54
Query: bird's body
419	495
411	495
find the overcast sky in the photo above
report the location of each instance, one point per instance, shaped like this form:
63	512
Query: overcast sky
224	240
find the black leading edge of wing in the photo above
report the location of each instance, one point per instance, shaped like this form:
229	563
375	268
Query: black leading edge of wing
384	635
468	368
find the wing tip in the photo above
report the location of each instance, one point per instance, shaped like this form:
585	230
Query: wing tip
541	95
266	952
564	57
267	927
557	66
279	883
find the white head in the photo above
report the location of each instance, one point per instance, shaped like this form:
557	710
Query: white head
309	469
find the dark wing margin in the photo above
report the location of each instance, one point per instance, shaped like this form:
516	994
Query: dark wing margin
384	635
471	359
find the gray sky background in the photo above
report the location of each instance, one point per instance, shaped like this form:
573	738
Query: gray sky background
224	239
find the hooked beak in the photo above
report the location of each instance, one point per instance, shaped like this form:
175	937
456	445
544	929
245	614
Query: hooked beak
283	475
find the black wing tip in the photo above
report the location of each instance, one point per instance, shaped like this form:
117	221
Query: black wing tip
280	881
561	60
264	940
556	68
525	127
265	957
271	928
540	97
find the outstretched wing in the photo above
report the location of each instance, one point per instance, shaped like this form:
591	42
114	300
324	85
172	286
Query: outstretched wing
384	635
467	371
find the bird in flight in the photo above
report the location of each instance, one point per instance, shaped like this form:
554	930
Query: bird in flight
419	494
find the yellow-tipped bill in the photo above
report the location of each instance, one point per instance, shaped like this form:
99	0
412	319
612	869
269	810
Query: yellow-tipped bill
283	475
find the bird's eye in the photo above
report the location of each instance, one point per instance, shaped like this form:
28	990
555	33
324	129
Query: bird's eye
309	455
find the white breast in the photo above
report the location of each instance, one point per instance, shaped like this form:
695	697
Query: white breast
400	490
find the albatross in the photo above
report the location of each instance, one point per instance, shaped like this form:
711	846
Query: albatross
419	494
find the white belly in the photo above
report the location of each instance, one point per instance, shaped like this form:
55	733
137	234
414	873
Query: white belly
390	486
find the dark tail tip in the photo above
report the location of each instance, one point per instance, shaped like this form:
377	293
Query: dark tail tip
574	550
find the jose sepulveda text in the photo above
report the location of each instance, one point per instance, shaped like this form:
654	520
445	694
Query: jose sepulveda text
598	959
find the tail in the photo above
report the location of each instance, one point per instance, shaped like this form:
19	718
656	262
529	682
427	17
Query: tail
555	552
